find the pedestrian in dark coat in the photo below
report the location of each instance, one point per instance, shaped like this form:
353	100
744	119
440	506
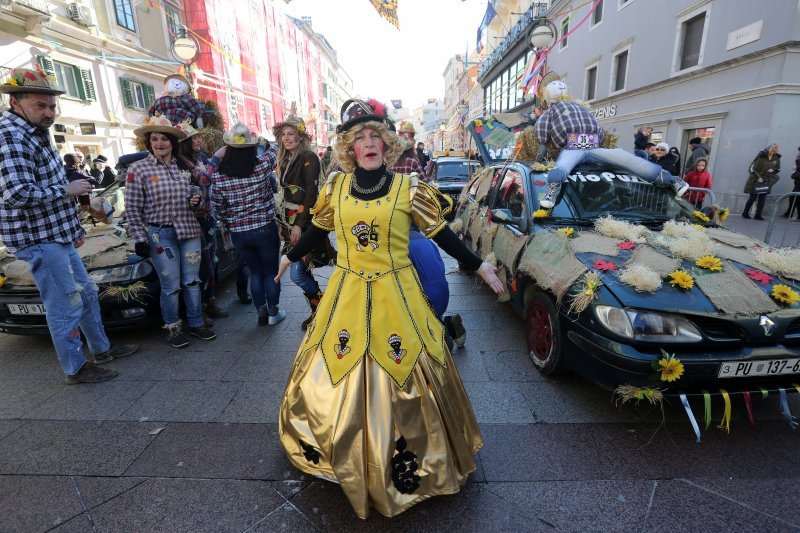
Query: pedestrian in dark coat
794	202
664	159
763	170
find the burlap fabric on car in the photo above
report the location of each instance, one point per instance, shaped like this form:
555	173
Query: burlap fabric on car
733	293
551	263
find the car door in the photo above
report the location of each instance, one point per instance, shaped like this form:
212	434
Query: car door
510	192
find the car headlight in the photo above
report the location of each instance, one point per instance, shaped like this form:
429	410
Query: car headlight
646	326
121	273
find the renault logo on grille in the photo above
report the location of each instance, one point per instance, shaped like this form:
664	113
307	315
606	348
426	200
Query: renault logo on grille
767	325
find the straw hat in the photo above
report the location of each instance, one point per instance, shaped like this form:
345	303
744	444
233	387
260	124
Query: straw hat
187	129
178	77
240	136
293	121
550	76
23	80
406	127
160	124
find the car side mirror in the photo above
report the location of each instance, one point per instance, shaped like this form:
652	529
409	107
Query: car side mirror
504	216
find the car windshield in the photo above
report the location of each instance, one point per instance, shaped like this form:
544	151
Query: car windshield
455	170
620	195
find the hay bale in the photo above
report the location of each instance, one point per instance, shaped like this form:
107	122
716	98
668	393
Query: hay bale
18	272
641	278
619	229
784	261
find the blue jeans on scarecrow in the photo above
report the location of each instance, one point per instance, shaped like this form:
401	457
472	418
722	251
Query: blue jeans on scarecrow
177	263
260	249
70	301
615	157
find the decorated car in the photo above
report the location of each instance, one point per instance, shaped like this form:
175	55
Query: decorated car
128	286
631	287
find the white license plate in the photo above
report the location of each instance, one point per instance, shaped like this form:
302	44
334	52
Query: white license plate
26	309
774	367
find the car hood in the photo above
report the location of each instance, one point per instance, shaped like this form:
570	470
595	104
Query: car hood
104	245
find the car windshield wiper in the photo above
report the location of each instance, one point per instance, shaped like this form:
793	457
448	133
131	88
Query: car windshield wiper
574	221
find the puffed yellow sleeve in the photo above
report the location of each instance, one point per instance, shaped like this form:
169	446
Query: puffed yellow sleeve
322	211
428	209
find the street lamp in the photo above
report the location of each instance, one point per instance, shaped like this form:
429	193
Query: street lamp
185	48
542	35
462	109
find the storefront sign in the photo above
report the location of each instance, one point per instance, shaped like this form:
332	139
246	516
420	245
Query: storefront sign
742	36
605	112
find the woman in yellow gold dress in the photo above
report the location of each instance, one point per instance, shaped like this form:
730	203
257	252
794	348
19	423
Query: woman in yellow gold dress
374	401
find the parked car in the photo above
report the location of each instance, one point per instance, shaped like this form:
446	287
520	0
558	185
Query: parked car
127	284
737	335
450	174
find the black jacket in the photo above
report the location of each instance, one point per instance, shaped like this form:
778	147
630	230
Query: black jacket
639	140
669	163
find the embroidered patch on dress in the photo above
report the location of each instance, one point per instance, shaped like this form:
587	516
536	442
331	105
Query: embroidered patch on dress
397	352
404	468
342	348
367	235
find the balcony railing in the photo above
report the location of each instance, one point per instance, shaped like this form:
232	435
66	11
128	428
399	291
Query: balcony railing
519	31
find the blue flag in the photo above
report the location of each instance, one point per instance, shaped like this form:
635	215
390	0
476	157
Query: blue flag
487	18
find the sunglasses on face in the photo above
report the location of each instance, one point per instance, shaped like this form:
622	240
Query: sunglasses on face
660	150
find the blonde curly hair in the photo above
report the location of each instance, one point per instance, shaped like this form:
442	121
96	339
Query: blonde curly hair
343	153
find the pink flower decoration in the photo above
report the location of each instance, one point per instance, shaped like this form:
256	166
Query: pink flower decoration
626	245
602	264
760	277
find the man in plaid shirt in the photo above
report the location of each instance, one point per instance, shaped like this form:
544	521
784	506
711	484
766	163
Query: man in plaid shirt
577	134
39	225
408	162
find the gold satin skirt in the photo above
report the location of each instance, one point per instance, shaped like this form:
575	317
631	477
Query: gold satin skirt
387	447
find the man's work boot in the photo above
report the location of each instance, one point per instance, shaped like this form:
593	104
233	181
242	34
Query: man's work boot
313	301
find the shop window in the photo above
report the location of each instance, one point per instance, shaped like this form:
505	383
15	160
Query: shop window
123	9
597	15
692	34
591	83
620	72
136	95
77	82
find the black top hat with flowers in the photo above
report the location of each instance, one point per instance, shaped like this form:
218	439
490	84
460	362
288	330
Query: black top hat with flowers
357	111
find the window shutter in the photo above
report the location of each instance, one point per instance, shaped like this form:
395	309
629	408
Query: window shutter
150	95
88	84
47	65
127	93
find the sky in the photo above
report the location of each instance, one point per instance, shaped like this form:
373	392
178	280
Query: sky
388	64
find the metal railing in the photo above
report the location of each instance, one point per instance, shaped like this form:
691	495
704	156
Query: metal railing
791	229
708	200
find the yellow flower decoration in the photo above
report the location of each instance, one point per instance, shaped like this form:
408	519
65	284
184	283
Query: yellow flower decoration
709	262
700	216
785	295
724	214
301	128
238	139
698	226
2	280
681	279
569	232
477	122
669	367
541	213
11	81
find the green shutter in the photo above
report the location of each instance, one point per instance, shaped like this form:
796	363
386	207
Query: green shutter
150	95
127	93
47	65
88	84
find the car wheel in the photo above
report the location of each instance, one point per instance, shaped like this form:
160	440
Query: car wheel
543	334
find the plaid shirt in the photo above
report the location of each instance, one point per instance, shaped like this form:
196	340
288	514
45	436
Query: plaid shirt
243	204
177	108
158	194
34	208
563	118
408	164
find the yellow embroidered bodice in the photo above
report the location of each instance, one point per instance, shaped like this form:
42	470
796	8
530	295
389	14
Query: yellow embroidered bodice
374	301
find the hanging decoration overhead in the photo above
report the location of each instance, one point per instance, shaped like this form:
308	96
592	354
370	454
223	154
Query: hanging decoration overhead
387	9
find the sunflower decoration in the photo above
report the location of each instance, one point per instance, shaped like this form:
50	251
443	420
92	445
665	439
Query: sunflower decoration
785	295
588	287
239	139
669	367
710	263
11	81
723	214
699	227
541	213
699	215
630	393
680	279
2	280
301	127
569	232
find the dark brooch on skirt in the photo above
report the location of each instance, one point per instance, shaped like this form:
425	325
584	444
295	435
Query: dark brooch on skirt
310	453
404	467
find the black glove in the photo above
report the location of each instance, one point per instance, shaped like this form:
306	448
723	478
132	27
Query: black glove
142	249
541	153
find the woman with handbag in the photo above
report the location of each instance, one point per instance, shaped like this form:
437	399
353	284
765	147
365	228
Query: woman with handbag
763	175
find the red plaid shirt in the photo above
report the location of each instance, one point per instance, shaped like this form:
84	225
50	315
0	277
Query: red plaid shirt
157	194
177	108
408	164
243	204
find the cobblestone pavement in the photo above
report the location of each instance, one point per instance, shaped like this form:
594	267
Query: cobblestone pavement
186	440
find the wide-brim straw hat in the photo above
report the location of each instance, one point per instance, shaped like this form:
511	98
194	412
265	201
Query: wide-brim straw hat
187	129
549	77
294	122
178	77
406	127
159	124
23	80
240	136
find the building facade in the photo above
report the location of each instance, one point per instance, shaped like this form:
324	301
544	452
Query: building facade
459	79
110	56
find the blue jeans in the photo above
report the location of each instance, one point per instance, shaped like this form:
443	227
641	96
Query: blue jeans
427	260
616	157
70	301
302	277
177	263
260	249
